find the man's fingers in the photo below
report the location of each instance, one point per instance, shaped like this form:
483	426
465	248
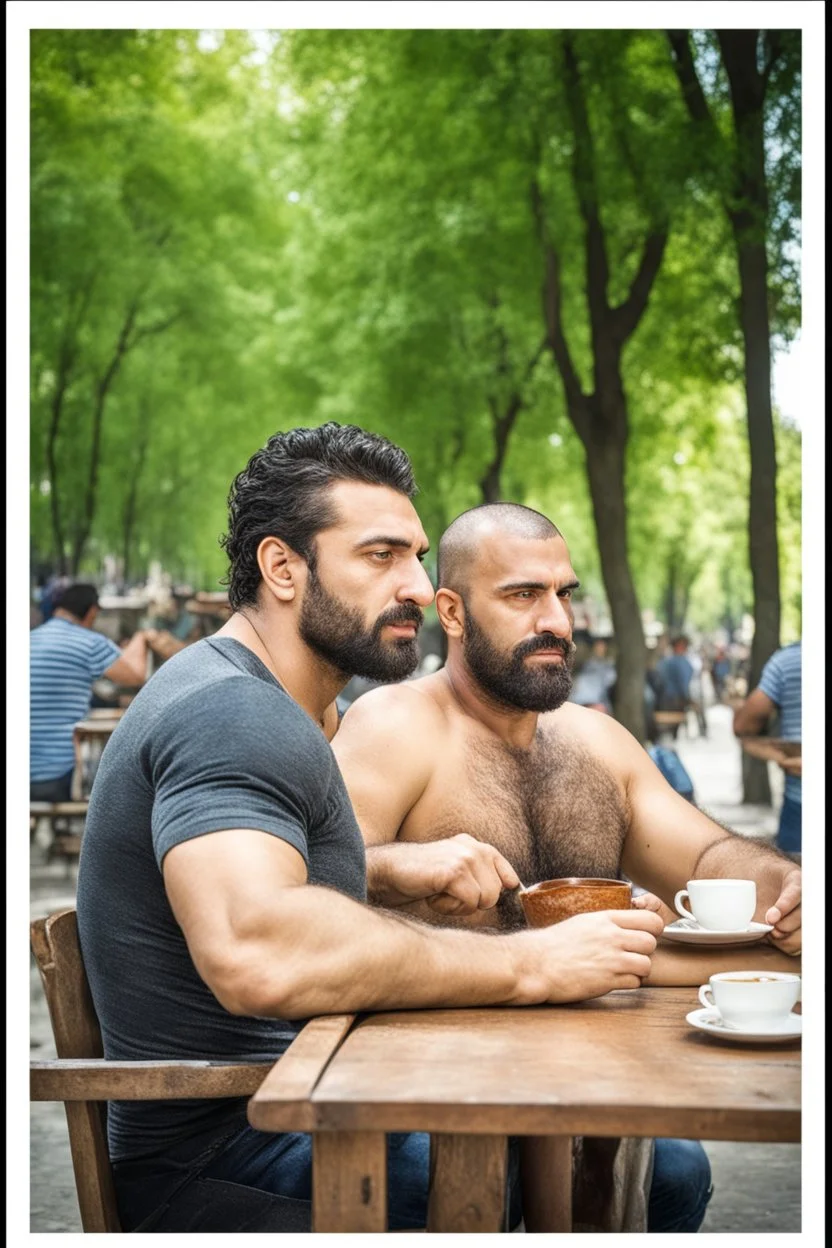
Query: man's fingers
444	903
789	923
636	964
508	876
646	920
640	942
647	901
788	900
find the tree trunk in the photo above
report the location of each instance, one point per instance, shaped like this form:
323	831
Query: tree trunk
130	503
601	419
606	473
491	481
67	356
748	215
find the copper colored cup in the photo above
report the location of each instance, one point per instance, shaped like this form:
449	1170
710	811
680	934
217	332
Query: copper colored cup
552	901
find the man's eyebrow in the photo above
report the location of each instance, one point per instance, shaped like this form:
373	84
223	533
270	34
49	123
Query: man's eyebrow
515	585
399	543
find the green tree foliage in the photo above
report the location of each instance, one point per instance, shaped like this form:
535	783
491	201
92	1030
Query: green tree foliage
348	230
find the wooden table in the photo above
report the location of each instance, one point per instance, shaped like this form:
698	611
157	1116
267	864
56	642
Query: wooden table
627	1064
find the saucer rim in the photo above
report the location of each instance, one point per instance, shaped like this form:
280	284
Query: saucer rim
706	1013
691	926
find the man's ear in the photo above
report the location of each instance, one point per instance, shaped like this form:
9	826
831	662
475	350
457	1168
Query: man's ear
451	612
90	617
282	569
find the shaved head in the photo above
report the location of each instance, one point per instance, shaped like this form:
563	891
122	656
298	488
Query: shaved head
460	542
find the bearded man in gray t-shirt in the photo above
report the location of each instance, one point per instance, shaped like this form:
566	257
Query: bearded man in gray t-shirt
222	879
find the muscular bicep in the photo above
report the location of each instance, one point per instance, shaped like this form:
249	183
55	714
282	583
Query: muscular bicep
385	747
666	835
225	891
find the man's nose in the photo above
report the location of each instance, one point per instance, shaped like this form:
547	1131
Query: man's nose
416	587
555	618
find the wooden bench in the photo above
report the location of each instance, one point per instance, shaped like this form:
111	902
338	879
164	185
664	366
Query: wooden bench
84	1081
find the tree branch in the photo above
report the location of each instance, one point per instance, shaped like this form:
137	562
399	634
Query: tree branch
158	327
583	169
692	93
774	42
553	318
627	315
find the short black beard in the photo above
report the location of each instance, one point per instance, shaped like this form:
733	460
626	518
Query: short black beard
507	681
338	634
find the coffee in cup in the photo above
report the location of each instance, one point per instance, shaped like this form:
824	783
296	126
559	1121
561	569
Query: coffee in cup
552	901
752	998
720	905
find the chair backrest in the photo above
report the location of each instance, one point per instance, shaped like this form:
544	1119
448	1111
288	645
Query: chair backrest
77	1034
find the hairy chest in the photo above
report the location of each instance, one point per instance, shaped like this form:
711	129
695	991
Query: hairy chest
552	811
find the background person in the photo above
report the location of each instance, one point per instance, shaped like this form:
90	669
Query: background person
66	657
673	675
780	692
595	679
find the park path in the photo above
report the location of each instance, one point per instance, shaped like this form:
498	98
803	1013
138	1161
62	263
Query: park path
756	1186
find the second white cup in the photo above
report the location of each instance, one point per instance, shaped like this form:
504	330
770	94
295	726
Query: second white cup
752	998
720	905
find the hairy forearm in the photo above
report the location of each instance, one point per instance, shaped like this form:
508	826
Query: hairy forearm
319	952
681	968
384	875
739	857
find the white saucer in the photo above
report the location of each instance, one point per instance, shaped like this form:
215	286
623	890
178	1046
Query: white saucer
711	1021
688	932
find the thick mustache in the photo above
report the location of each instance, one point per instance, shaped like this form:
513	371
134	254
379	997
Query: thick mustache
407	613
546	641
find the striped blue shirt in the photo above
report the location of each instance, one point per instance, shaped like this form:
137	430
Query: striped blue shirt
781	681
64	661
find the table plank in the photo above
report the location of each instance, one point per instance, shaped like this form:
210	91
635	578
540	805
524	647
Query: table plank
287	1090
626	1064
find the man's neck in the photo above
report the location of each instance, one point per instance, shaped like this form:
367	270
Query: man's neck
514	727
310	680
60	614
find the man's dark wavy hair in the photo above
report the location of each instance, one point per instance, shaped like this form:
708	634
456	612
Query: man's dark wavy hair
283	491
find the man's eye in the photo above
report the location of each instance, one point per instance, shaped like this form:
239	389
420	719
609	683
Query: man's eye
524	593
381	555
565	593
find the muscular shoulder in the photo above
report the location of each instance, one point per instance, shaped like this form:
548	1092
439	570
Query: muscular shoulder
404	714
601	736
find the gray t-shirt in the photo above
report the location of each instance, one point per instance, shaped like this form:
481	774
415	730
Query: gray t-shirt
211	742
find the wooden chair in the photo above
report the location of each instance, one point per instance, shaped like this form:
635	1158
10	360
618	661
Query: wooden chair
64	843
84	1081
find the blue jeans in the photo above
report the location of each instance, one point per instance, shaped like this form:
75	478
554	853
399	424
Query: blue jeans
790	832
256	1181
57	790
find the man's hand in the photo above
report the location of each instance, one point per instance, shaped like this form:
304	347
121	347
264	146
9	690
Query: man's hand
649	901
791	766
785	913
457	875
590	954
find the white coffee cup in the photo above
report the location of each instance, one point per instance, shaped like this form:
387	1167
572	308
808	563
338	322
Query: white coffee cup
752	998
720	905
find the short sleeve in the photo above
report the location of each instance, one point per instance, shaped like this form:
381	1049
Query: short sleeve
101	654
771	681
238	754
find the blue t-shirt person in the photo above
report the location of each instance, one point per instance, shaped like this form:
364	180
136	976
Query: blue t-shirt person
782	682
65	660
